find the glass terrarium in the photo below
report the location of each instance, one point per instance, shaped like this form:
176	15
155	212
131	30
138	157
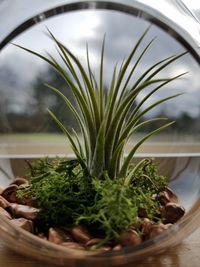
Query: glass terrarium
28	132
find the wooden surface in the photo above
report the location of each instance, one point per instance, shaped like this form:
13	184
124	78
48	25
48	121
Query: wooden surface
184	255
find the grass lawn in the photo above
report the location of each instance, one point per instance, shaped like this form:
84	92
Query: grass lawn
46	143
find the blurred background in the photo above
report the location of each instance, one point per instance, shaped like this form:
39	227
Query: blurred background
24	122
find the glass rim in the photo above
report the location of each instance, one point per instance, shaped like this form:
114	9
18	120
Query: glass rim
126	7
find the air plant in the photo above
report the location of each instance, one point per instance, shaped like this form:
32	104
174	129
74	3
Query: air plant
107	121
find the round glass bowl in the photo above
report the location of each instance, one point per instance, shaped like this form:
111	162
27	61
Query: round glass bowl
28	133
186	185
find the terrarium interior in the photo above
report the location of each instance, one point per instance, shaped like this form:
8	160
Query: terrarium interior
27	130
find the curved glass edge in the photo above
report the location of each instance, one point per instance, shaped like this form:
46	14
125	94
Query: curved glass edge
179	16
173	17
22	10
27	244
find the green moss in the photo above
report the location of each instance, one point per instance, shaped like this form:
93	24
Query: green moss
147	178
61	190
117	204
67	195
114	209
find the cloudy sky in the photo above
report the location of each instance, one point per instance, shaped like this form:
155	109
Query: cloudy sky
122	31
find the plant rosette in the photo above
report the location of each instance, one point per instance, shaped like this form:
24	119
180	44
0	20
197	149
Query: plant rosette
101	200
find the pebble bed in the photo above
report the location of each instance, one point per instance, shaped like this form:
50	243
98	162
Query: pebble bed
21	214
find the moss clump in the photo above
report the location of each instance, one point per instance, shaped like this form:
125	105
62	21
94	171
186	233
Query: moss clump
61	190
146	177
117	204
67	195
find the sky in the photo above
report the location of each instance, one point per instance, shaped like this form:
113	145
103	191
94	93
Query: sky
75	29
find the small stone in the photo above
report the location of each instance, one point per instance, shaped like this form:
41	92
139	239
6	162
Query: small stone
24	211
93	241
58	236
80	234
1	189
117	247
172	212
146	226
42	236
24	224
5	213
103	248
164	198
172	195
20	181
129	239
158	229
4	203
9	193
72	245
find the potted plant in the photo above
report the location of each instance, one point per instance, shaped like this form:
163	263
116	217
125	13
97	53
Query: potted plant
101	200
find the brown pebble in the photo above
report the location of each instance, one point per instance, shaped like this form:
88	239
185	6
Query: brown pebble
42	236
24	211
1	189
164	198
4	203
24	224
27	201
118	247
158	229
72	245
5	213
146	226
58	236
172	195
93	241
103	248
129	239
80	234
91	244
9	193
172	212
19	181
